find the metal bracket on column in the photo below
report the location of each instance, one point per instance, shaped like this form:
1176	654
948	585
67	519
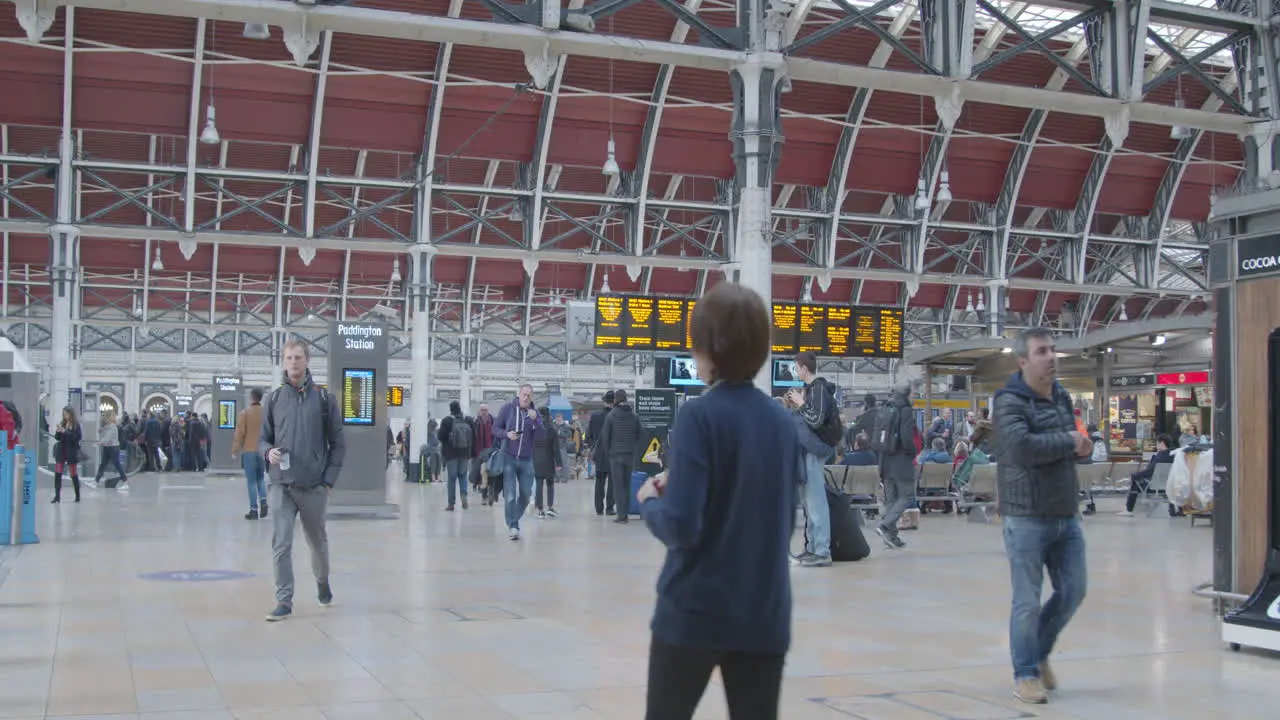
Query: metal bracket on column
541	65
949	107
63	258
35	17
187	246
307	253
301	42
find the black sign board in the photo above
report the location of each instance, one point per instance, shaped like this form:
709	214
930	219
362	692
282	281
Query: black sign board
1129	381
1258	256
656	410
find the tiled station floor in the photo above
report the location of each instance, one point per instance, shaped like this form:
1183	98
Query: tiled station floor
438	615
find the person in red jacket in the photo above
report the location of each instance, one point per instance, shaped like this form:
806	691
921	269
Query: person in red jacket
9	426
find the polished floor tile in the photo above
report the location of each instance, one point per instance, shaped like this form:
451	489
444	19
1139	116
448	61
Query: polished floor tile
438	615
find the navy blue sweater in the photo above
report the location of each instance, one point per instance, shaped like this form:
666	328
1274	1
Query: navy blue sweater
726	518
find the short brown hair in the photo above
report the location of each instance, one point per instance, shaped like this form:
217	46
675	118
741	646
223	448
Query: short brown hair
808	361
730	326
296	343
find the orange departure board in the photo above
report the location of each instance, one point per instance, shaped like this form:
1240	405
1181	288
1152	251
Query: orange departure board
637	331
669	324
609	322
785	339
395	396
642	322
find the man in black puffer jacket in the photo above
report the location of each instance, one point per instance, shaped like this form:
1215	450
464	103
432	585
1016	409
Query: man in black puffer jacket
1039	446
619	439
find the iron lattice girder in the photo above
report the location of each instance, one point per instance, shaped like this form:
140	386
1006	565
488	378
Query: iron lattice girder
1191	66
10	184
436	29
1038	42
356	213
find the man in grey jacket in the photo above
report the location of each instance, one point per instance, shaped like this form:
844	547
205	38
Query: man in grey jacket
1038	447
302	440
897	466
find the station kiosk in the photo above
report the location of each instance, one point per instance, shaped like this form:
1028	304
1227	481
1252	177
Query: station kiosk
1245	274
358	380
20	386
228	401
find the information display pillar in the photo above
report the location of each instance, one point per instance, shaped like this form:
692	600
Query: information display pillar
1244	269
358	381
89	410
228	401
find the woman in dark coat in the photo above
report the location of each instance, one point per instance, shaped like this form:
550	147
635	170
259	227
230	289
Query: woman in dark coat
546	459
67	453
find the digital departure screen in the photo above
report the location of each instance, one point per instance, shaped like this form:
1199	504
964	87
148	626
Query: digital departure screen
358	393
784	328
669	331
226	414
639	322
395	396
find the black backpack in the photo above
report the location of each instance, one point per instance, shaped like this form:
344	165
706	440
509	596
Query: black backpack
460	436
885	430
17	416
831	431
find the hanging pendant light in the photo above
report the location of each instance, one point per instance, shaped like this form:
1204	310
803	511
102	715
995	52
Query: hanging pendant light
981	306
944	188
157	265
1124	316
395	271
968	305
611	168
922	195
683	266
1178	132
604	286
257	31
210	134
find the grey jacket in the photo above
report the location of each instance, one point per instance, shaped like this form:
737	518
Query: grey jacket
292	420
899	465
1036	472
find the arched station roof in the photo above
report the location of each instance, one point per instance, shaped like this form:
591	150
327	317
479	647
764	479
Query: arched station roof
1066	185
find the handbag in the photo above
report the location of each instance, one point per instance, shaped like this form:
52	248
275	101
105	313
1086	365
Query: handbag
496	463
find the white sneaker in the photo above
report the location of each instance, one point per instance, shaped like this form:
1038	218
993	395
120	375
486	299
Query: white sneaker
551	512
542	515
514	534
1125	513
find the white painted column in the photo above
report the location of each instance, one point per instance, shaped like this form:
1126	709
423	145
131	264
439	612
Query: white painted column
420	257
757	84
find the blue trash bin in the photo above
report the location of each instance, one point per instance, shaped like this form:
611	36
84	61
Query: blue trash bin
637	481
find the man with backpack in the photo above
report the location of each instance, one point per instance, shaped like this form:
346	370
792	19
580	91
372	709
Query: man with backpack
893	439
456	440
821	432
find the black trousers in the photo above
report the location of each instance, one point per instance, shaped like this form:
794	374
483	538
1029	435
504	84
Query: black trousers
110	455
620	471
604	490
678	677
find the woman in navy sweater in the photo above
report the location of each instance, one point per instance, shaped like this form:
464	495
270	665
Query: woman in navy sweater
726	516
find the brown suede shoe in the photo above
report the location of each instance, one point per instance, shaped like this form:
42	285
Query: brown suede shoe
1030	690
1047	678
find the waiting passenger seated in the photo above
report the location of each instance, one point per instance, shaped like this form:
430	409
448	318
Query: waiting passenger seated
1138	481
937	453
966	459
1100	452
861	455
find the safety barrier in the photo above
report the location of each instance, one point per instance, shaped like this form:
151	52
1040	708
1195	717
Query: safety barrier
17	495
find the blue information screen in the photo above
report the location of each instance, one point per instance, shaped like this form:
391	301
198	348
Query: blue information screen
357	396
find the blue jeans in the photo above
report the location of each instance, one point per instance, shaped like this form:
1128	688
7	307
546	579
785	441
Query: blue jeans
456	472
517	488
1032	545
818	526
254	475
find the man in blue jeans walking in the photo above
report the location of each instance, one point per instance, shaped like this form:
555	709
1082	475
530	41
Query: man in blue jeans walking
516	424
245	445
1039	447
